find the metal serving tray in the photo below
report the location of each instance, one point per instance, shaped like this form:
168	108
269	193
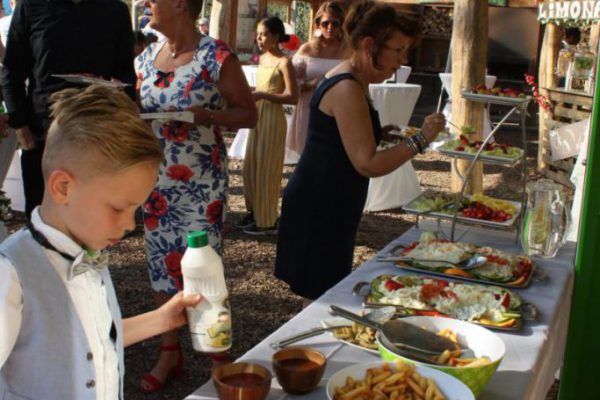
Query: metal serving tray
528	311
438	214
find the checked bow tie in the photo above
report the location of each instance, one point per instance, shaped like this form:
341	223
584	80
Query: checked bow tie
84	263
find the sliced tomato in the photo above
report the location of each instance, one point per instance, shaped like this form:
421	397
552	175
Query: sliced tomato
506	300
523	268
409	248
430	313
441	283
392	285
496	259
430	291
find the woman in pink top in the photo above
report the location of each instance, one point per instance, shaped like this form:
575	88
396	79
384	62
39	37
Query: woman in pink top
311	62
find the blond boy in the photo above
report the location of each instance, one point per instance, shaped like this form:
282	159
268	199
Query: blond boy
61	333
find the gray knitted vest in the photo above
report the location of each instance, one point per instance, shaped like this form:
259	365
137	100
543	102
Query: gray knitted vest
51	358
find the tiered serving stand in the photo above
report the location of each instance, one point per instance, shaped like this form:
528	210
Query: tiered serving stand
516	104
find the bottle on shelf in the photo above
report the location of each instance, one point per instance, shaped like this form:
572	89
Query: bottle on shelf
210	321
565	57
581	69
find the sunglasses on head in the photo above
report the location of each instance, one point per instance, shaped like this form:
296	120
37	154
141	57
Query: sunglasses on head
334	24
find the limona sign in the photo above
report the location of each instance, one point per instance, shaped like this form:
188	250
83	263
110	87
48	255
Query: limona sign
557	11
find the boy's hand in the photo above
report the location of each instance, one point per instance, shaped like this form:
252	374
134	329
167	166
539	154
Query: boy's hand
173	311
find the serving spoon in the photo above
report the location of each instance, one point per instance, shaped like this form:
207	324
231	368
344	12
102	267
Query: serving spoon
476	260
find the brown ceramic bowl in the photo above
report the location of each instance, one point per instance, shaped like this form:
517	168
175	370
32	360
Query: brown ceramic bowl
298	369
242	381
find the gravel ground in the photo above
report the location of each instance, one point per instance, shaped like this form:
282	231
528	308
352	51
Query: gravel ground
249	265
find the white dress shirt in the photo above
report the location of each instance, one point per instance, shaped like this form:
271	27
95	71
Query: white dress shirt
88	294
4	25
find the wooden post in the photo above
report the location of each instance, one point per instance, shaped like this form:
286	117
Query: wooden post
220	20
262	9
233	19
547	79
314	6
469	60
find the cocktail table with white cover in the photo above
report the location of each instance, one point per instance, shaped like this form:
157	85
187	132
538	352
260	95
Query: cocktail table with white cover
395	103
490	81
533	354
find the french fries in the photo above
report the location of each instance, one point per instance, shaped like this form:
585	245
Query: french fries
357	334
387	383
452	358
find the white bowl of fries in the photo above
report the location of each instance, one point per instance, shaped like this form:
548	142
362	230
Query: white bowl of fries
487	347
395	380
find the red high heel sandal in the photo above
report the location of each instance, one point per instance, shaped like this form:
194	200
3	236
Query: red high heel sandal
176	372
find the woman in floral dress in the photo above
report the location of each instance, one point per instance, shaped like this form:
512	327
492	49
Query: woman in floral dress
187	71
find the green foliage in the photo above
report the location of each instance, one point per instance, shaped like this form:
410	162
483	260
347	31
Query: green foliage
300	16
302	20
276	9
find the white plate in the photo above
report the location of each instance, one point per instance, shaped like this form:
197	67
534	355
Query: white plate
482	157
344	322
493	99
451	387
507	223
78	78
183	116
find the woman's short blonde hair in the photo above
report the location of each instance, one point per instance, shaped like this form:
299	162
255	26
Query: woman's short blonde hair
97	130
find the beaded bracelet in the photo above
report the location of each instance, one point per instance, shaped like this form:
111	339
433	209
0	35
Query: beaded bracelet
412	145
421	140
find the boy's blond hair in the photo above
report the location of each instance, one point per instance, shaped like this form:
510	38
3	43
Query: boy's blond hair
97	127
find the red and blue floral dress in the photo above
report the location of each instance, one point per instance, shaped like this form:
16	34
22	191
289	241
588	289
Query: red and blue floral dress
191	191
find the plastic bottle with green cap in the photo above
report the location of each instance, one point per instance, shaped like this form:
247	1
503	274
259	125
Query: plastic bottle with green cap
209	321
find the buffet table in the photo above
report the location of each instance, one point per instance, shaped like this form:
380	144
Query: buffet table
533	355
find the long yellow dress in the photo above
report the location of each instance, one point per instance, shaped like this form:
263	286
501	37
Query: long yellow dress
265	150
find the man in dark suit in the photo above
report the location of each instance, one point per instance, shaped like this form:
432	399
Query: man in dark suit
49	37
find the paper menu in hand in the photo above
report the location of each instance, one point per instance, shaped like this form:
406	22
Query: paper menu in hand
183	116
79	78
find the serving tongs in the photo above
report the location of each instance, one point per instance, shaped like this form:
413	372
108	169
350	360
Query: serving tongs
405	338
379	315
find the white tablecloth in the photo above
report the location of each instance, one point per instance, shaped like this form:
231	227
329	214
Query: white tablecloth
533	355
13	183
446	79
395	103
250	72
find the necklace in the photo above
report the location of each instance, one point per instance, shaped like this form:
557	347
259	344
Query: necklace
175	54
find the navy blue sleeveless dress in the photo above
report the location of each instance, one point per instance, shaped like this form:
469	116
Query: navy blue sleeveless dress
321	206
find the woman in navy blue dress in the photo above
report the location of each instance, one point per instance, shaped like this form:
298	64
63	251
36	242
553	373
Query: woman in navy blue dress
324	199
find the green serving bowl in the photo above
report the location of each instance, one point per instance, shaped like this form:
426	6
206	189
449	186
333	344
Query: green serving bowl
482	341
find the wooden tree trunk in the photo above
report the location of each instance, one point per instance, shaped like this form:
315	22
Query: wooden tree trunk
547	79
223	21
469	60
314	6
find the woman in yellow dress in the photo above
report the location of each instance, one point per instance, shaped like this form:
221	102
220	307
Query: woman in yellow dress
263	164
